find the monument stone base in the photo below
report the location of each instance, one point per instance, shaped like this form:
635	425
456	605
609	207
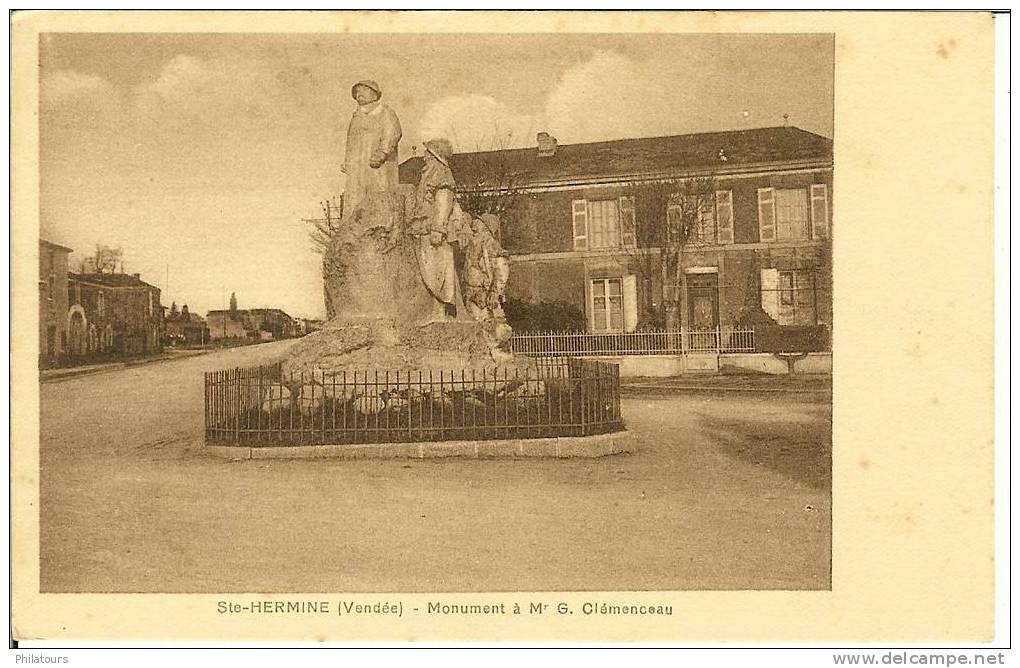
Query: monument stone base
563	447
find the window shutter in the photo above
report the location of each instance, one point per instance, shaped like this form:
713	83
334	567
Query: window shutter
673	219
629	303
580	222
588	307
724	215
766	214
627	225
770	292
819	211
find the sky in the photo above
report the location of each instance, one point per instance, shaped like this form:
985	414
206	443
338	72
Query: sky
200	154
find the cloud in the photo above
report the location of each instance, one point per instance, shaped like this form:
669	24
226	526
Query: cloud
610	96
607	96
67	86
477	123
180	75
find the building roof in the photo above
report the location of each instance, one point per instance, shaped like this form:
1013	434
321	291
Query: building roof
260	311
274	311
112	280
188	317
56	246
650	155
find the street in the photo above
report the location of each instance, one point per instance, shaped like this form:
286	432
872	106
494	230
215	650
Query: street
727	490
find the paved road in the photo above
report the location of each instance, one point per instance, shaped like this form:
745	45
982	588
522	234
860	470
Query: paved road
727	491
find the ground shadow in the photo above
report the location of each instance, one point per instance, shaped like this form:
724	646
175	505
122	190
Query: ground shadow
802	451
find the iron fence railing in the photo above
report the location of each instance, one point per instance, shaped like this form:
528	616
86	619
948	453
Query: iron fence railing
650	342
551	397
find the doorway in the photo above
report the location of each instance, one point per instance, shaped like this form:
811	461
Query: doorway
76	335
703	301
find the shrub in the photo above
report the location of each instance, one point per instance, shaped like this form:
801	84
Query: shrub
557	316
792	338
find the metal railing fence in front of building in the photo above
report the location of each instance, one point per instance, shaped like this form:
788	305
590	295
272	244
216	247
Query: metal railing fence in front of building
649	342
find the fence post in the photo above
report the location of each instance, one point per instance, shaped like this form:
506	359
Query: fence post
582	381
205	403
237	404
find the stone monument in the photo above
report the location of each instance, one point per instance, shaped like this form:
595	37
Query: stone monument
412	282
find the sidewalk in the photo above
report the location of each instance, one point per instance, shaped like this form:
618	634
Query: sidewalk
49	375
813	383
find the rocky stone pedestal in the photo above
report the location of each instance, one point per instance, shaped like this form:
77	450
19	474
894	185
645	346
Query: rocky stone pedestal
383	318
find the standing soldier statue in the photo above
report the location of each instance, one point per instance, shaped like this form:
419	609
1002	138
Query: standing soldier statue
370	163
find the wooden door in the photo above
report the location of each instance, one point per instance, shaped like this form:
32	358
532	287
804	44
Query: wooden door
703	301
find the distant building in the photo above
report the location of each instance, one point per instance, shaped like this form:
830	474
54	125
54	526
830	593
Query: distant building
186	328
53	315
309	325
258	323
112	313
227	324
272	323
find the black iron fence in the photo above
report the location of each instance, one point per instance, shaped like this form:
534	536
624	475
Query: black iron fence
552	397
645	342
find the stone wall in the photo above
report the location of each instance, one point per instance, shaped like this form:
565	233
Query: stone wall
52	301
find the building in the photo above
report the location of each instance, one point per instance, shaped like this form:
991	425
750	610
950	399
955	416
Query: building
111	313
272	323
226	324
309	325
186	328
258	323
53	314
582	230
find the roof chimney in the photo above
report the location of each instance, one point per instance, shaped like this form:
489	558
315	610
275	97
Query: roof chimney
138	276
546	145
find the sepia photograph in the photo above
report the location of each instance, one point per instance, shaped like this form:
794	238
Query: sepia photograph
318	316
436	323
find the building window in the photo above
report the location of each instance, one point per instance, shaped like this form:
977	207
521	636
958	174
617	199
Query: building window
795	214
787	291
703	230
819	211
612	304
714	224
792	215
50	284
724	216
789	296
603	223
100	303
148	309
607	304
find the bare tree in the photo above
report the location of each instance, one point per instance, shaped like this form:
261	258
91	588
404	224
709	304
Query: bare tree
103	261
499	191
321	234
678	211
324	228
